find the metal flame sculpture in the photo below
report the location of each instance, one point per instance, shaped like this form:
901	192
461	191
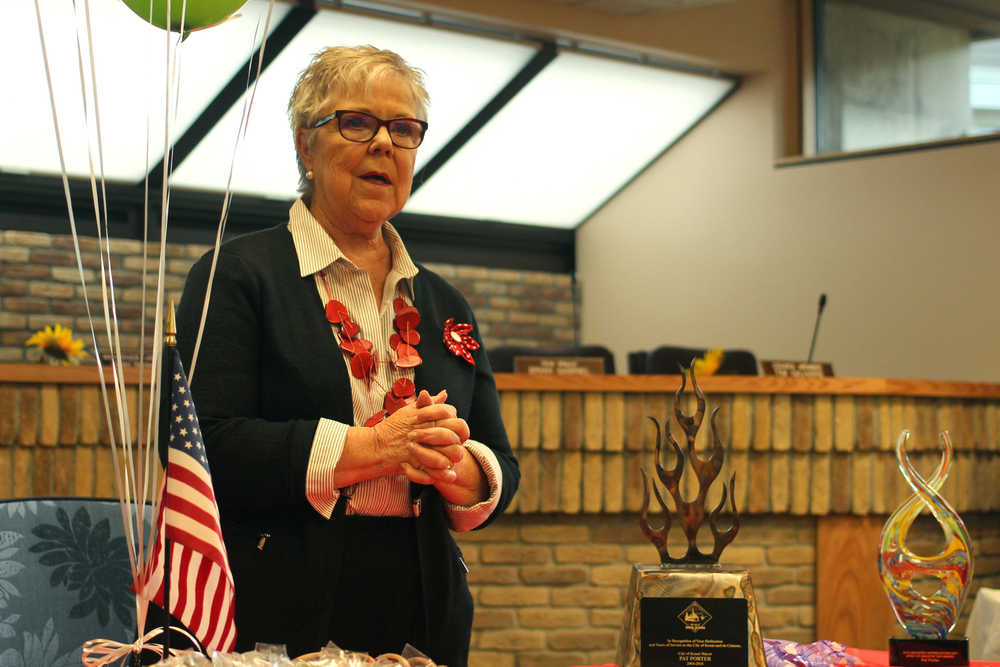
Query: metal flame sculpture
691	513
925	616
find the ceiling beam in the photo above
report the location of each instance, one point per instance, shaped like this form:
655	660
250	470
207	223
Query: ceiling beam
283	33
433	238
545	55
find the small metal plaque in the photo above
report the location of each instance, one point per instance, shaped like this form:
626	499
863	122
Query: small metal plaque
797	369
924	652
693	632
559	365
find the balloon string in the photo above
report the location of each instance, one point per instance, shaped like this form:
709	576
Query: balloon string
224	217
73	228
101	216
124	475
172	71
68	196
148	470
79	260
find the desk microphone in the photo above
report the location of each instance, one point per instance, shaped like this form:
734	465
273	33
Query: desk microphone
819	314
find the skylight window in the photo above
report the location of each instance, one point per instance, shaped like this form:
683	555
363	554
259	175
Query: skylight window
984	85
131	74
463	73
578	133
570	130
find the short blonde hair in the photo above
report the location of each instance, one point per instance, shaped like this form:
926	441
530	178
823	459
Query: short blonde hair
342	70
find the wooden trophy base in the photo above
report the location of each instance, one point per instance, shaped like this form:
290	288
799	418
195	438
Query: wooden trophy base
923	652
690	616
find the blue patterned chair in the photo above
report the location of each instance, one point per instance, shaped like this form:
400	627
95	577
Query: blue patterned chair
64	579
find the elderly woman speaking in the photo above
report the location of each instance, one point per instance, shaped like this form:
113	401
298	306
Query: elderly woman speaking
350	415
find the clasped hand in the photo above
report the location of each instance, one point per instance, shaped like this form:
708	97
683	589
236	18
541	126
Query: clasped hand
427	437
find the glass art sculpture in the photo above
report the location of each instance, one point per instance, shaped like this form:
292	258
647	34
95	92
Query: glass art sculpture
688	609
925	616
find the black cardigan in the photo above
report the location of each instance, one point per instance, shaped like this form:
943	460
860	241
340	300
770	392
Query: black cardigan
267	370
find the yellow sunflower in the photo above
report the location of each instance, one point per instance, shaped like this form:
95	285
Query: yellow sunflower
58	345
708	364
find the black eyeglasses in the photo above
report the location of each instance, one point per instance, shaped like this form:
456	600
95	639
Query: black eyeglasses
361	127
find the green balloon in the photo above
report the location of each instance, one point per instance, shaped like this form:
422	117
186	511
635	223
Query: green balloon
199	13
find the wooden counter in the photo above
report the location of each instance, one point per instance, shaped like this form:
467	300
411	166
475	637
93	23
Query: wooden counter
749	384
801	446
804	446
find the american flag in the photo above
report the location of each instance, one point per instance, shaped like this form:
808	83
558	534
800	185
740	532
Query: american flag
201	583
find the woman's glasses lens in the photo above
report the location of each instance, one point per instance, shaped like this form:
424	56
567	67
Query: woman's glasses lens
357	126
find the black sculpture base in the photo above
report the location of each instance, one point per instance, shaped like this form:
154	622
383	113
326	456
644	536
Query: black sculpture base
923	652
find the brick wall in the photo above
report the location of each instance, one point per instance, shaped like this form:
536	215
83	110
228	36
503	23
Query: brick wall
550	590
40	286
518	307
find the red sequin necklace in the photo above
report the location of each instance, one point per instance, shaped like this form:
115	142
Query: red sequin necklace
363	358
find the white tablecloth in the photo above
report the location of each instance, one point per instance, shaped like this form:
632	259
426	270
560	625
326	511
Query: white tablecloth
984	626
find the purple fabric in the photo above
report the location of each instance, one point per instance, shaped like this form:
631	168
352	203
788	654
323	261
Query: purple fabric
780	653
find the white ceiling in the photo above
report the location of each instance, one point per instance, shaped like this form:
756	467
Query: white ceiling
614	115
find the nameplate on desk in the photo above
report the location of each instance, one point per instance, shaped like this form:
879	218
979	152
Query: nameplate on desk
797	369
559	365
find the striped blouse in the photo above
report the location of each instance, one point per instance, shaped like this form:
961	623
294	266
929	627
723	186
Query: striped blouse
338	278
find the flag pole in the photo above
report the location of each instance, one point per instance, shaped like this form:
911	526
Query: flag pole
188	533
169	341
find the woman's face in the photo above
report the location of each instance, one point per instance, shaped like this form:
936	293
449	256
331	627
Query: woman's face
358	186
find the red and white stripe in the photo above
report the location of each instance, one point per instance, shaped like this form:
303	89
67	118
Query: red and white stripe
202	592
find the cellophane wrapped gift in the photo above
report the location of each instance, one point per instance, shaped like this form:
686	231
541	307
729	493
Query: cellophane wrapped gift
780	653
270	655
